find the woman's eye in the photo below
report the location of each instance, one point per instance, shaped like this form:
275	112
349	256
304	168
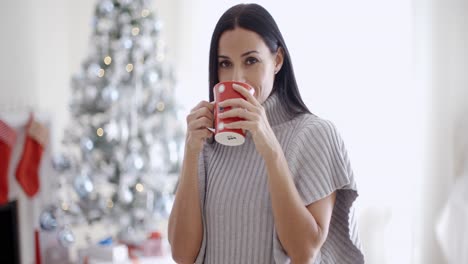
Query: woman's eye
251	60
224	64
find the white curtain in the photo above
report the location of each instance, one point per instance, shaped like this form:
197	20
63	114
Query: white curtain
442	64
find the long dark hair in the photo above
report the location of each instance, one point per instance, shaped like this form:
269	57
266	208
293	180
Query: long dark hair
255	18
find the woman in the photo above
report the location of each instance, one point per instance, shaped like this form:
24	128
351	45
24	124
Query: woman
283	196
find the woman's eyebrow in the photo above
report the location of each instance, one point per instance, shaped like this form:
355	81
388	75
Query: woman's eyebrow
243	54
249	52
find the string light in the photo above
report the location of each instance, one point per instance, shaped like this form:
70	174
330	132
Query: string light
161	106
101	72
100	132
65	206
135	31
145	12
139	187
129	67
107	60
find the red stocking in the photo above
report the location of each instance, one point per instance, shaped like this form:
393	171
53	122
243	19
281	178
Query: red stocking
7	141
27	172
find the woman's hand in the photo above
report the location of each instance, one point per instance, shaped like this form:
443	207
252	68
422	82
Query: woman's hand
198	121
256	121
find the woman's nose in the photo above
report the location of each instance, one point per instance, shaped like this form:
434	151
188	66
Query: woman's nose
238	75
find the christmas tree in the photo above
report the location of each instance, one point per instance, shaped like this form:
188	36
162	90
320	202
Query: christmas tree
123	147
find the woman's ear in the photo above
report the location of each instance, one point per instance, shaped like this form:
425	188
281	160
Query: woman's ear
279	58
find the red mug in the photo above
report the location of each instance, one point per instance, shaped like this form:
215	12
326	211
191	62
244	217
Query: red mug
226	136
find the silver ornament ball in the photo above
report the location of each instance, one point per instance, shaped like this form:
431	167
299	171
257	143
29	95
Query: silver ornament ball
83	185
48	218
66	237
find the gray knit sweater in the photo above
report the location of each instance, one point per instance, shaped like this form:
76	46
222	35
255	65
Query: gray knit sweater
238	224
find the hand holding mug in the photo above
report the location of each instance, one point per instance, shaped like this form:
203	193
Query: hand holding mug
252	117
200	118
225	91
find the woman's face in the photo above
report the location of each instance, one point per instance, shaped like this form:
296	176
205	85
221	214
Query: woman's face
243	56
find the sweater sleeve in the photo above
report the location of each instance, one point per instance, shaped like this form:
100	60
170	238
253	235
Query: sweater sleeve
318	161
319	165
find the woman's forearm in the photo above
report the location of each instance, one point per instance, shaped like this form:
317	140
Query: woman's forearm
185	221
297	229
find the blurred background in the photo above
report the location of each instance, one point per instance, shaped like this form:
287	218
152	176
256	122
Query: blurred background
391	75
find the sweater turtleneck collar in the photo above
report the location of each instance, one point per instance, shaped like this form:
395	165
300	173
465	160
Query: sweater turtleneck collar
275	110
